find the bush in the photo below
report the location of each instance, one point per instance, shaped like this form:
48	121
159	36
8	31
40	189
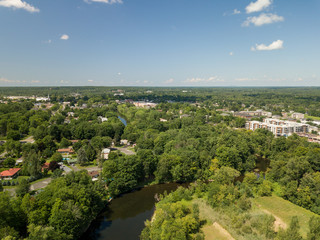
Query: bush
244	203
265	189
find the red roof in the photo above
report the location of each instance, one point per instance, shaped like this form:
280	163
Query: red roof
9	173
62	150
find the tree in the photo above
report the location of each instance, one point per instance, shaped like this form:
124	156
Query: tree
314	228
90	152
57	173
65	143
1	187
9	162
226	175
23	188
45	233
33	164
292	233
82	157
57	157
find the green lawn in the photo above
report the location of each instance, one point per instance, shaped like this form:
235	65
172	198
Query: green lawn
86	166
313	118
25	177
285	210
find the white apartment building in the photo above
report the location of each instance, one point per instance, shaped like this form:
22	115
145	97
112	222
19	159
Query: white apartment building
278	127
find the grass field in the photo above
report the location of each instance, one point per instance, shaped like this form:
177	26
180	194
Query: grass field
284	210
212	230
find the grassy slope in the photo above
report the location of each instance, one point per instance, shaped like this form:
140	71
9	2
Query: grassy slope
285	210
212	215
211	232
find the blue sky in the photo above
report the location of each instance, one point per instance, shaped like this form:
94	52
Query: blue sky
159	43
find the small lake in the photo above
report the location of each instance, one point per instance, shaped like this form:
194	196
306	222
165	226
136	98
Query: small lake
124	217
123	120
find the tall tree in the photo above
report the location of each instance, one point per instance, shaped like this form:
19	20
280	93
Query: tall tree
82	157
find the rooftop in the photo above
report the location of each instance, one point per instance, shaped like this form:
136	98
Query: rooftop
9	173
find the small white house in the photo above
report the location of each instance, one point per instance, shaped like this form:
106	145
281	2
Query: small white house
105	153
124	142
102	119
19	161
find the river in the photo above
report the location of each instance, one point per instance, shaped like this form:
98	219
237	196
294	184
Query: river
123	120
124	217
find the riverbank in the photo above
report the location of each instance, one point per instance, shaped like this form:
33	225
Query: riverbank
127	211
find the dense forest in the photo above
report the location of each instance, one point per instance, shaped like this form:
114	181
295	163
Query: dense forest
181	139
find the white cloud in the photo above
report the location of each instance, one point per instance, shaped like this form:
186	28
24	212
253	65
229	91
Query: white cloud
204	80
171	80
273	46
35	81
64	37
231	53
18	4
48	41
258	6
263	19
105	1
90	80
6	80
236	11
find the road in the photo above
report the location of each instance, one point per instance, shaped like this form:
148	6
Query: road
90	169
34	186
125	151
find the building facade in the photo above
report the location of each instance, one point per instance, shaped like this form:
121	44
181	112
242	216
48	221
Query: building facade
278	127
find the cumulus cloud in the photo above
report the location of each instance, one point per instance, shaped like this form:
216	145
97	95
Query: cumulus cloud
18	4
64	37
90	80
104	1
231	53
236	11
258	6
204	80
263	19
273	46
171	80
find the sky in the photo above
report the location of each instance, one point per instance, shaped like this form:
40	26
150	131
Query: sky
159	43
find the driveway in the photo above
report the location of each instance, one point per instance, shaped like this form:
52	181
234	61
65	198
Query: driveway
41	184
125	151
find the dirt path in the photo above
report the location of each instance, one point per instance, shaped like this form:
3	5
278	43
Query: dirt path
278	223
222	231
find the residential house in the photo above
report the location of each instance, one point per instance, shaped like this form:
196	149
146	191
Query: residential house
105	153
10	174
65	151
124	142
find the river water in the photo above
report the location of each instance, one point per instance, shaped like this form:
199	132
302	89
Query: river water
123	120
124	217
